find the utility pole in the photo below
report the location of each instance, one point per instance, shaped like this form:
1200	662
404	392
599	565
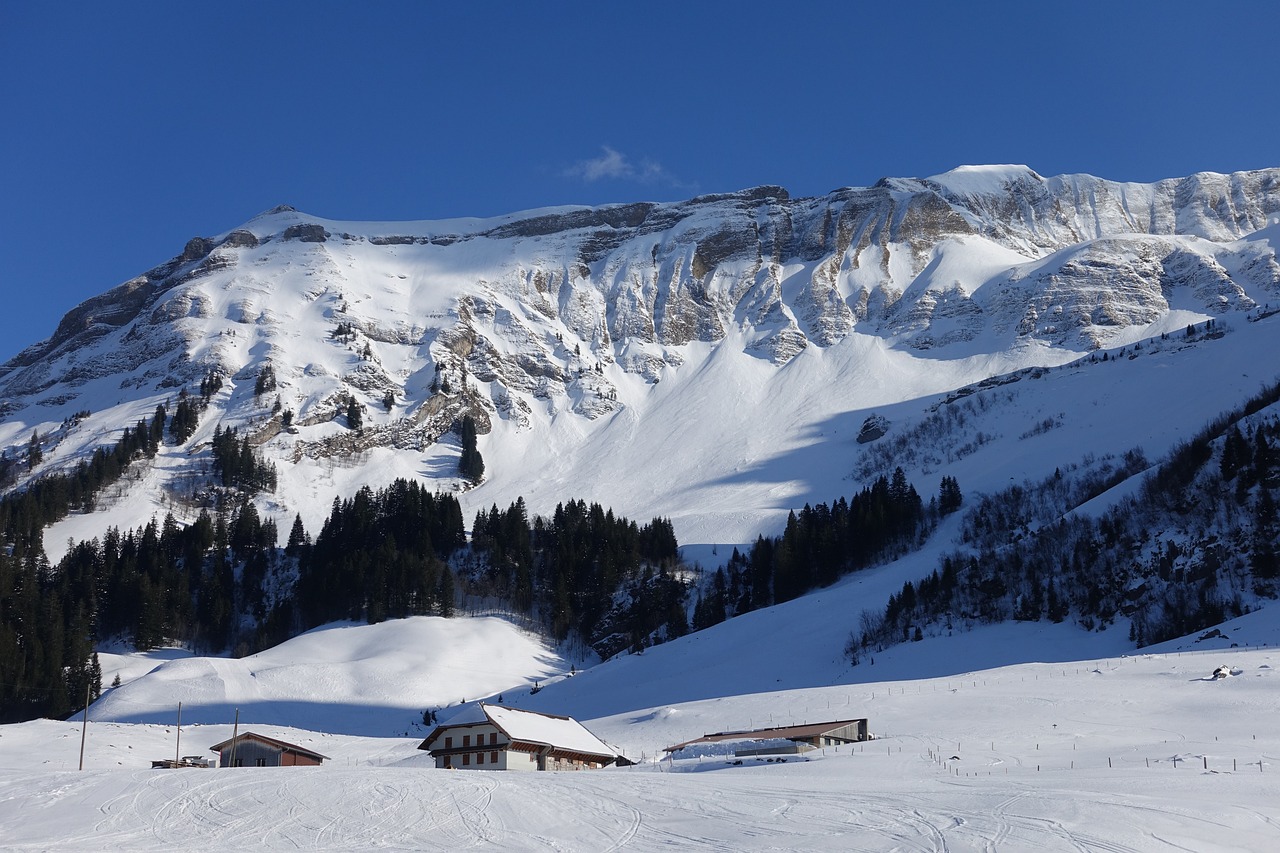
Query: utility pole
235	733
84	726
177	747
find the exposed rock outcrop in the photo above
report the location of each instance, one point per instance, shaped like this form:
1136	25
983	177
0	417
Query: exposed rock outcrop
550	311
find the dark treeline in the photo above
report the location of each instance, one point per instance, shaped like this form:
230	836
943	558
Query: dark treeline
1189	551
583	570
51	616
48	617
379	555
236	464
23	515
823	543
46	631
223	581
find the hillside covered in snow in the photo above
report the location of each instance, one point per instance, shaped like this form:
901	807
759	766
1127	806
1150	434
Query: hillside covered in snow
1089	749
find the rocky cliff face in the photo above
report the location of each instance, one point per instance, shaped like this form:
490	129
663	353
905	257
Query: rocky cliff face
553	309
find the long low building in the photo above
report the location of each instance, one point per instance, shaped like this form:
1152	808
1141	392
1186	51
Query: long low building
779	740
492	737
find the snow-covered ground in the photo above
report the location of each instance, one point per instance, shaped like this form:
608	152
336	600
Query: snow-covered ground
1100	752
346	678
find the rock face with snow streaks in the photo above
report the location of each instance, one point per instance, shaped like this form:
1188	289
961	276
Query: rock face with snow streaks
549	311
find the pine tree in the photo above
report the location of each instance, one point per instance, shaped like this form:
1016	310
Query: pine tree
156	434
1235	452
35	455
355	415
470	463
185	419
446	592
266	381
949	498
297	537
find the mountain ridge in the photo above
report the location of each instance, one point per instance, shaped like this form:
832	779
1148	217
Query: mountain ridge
575	330
1173	207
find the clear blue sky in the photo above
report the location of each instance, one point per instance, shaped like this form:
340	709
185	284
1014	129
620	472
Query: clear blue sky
126	128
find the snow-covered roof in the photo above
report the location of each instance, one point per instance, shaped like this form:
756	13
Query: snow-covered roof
564	733
530	726
801	732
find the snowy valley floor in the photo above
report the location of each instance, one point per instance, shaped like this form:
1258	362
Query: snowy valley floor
1146	752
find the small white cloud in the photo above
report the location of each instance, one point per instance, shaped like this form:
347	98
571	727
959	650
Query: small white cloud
610	164
615	165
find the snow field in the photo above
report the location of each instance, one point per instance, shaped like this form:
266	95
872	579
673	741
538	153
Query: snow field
1067	756
348	678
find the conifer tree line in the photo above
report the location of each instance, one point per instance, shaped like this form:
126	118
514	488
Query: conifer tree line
238	466
584	570
50	616
379	555
47	615
821	544
1193	548
222	581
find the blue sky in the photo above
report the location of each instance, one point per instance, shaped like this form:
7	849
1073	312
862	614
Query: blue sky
126	128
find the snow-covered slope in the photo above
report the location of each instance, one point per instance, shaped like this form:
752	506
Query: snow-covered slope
741	339
1146	752
351	679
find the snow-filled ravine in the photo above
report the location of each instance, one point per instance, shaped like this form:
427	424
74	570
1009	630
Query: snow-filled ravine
1147	751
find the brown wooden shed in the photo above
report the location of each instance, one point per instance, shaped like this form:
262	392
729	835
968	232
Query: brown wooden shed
254	750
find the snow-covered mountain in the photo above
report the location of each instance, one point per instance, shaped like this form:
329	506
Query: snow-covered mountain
721	362
711	360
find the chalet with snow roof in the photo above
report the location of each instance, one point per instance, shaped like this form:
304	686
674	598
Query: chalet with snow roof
491	737
254	750
784	740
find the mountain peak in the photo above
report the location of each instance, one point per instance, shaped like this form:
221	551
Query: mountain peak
985	180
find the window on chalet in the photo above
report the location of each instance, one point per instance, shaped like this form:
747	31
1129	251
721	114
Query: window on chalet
493	738
466	759
493	757
479	758
448	743
466	740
